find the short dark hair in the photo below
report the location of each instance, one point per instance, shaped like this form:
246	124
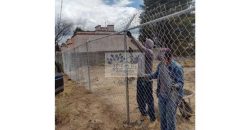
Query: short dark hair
168	54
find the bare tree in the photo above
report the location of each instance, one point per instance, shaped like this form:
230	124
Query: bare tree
62	29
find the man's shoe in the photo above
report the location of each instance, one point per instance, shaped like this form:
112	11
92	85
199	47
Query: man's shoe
152	124
143	118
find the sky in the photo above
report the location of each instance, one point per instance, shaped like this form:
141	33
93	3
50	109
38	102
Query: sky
89	13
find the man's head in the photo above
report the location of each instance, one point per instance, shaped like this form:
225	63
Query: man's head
165	55
149	43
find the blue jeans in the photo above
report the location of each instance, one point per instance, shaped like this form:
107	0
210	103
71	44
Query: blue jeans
145	97
167	108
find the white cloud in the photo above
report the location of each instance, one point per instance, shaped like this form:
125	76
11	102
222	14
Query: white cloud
89	13
122	3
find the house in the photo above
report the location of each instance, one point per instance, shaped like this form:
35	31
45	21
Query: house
111	43
98	48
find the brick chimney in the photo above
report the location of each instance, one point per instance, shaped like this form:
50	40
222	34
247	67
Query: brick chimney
110	28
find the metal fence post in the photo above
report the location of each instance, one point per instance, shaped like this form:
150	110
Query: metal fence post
75	64
70	69
126	78
126	68
88	64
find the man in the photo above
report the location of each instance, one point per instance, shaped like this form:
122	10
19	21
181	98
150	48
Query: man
169	75
144	87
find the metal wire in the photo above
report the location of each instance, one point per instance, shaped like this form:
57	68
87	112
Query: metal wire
86	62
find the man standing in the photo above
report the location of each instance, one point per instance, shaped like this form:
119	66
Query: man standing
144	87
169	75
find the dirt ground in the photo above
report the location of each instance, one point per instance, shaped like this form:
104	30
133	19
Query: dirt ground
104	108
79	109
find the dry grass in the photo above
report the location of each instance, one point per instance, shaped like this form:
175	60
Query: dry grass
79	109
105	108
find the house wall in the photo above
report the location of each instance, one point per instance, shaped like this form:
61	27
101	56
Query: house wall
111	43
98	48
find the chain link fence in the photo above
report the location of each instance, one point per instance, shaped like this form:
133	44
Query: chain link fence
137	77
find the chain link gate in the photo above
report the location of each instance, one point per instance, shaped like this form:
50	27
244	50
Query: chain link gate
171	28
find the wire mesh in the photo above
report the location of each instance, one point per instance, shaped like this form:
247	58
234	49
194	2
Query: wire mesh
176	32
163	87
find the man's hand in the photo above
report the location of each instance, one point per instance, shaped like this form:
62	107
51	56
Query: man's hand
129	34
145	77
176	86
130	50
157	92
